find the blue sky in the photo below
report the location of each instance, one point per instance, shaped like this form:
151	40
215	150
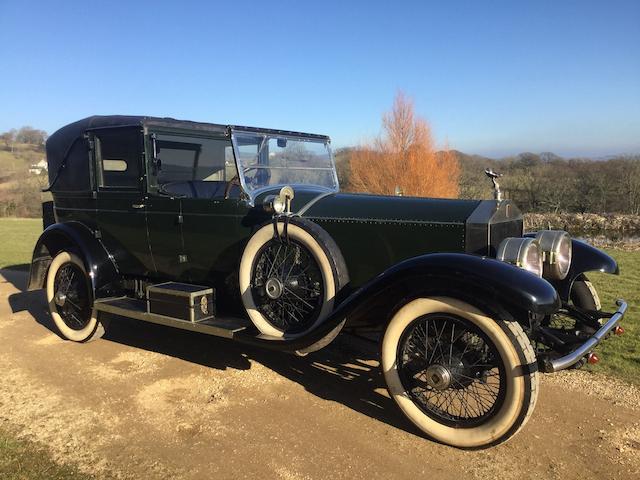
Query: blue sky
492	77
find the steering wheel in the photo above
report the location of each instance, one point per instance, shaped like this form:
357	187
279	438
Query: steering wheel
262	177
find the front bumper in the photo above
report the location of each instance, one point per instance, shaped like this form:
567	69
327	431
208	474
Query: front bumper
566	361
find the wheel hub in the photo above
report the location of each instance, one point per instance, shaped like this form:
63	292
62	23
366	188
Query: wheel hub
274	288
438	377
60	299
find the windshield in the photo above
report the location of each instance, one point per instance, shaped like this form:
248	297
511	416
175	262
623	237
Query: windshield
266	160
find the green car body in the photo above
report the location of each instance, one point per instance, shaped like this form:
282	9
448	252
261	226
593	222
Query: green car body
200	240
243	233
148	234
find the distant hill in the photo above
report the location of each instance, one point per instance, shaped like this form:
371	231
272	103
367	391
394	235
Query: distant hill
20	194
466	157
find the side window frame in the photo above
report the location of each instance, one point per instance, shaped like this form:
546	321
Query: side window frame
98	176
152	134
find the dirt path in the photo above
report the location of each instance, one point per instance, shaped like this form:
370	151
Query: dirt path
152	402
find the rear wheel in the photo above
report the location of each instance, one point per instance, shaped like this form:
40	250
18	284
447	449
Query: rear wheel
461	377
71	300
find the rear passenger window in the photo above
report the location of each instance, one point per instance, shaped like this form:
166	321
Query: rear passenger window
119	158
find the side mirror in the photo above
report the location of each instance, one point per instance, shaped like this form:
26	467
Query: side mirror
282	142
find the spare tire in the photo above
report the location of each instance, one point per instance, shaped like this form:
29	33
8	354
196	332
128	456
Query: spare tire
289	281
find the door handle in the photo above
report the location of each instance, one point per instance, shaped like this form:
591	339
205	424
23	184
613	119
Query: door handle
138	205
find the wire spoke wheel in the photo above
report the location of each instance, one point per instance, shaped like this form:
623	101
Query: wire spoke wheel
72	297
451	370
290	274
287	285
461	376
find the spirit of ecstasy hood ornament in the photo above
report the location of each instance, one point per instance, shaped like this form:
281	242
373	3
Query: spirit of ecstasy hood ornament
497	194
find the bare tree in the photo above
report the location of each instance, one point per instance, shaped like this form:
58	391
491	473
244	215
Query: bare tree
9	138
31	136
404	158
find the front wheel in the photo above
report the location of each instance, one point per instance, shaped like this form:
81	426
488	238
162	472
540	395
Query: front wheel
289	281
461	377
71	300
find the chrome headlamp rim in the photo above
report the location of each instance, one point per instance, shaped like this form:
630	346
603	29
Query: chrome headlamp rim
281	203
523	253
274	204
556	247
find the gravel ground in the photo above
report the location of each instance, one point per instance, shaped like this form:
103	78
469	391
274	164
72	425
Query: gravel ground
151	402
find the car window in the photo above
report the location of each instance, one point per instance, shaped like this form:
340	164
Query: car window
119	158
266	159
187	158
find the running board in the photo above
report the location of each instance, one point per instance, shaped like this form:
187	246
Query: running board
226	327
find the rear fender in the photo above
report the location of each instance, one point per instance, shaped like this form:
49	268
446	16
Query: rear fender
76	237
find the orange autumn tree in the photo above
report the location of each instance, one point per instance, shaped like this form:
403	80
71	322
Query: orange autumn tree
405	157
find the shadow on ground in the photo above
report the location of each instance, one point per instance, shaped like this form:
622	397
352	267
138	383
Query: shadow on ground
33	302
345	372
22	267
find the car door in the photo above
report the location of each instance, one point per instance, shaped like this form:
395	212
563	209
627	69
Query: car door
211	226
191	224
120	198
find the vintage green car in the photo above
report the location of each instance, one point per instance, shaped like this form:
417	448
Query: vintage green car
243	233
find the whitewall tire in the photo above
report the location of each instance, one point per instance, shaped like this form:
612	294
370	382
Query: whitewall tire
289	283
511	383
70	299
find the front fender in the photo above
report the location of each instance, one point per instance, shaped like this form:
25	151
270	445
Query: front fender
101	268
490	280
584	258
497	281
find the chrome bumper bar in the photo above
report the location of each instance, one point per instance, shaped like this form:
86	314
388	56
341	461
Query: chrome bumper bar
572	358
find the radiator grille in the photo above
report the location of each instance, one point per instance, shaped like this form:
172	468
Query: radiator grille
500	231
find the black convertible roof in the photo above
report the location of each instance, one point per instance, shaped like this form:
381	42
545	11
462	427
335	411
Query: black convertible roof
63	152
62	139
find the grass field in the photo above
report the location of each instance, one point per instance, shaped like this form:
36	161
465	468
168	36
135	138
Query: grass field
19	236
619	357
21	460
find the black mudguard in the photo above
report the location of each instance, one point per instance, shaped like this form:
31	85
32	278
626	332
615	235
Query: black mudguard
490	281
584	258
76	237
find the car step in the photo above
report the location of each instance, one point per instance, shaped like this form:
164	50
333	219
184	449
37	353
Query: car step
226	327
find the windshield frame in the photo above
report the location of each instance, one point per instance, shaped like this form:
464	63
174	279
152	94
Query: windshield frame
252	193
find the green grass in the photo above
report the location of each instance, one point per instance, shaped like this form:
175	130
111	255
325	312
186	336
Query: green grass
620	356
19	160
22	460
10	163
19	236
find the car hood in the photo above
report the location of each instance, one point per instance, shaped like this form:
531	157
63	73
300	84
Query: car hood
365	207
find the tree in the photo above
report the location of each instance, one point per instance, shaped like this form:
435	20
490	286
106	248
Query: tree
9	138
404	157
31	136
631	184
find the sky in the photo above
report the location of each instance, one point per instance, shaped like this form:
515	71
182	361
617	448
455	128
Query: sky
493	78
